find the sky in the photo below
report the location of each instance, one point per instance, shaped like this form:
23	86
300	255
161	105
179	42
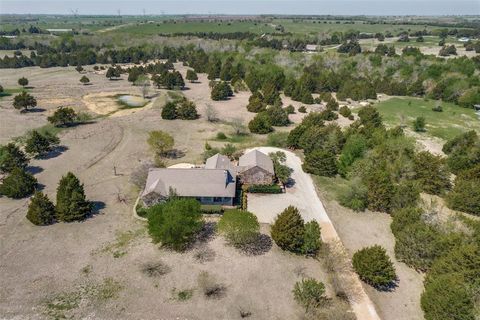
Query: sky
318	7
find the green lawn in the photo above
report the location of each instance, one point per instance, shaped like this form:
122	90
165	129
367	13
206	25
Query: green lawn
447	124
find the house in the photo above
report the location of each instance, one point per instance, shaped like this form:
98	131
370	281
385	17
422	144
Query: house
208	186
213	184
255	167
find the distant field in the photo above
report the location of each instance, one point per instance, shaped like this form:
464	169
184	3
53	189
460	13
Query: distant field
146	29
447	124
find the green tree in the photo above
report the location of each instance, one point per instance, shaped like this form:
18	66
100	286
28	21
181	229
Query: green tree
373	266
354	196
187	110
354	148
309	293
288	230
71	201
380	190
239	227
321	162
175	223
38	144
260	124
282	171
18	184
41	211
63	117
221	91
431	172
84	80
23	81
278	116
12	157
191	75
370	117
419	124
169	111
24	101
112	73
447	297
255	103
311	238
160	142
464	195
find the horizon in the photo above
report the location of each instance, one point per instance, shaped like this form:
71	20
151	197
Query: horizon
235	8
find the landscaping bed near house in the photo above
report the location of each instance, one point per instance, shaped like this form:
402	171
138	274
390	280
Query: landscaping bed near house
259	188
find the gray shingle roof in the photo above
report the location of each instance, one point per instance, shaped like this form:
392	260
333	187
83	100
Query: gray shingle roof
256	158
191	182
218	161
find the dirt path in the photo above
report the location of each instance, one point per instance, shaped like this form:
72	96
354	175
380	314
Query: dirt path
303	195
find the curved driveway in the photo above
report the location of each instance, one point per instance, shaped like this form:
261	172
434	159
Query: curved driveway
304	196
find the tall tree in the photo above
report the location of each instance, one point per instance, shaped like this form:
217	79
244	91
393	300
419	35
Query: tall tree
12	157
71	202
24	101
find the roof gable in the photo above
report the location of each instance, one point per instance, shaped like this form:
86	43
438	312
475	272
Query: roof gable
256	158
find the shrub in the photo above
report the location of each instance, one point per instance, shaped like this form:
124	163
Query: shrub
419	124
288	230
345	111
354	196
353	149
309	293
169	111
437	108
24	101
447	298
175	223
302	109
221	91
23	81
187	110
256	104
311	238
12	157
38	144
84	80
18	184
431	172
62	117
278	116
221	136
41	211
191	75
160	142
260	124
290	109
464	195
239	227
264	188
373	266
71	202
321	162
211	209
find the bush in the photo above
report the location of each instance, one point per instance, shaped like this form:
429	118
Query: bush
354	196
278	116
221	136
302	109
18	184
345	111
12	157
437	108
260	124
24	101
187	110
265	188
447	298
39	144
211	209
309	293
290	109
160	142
373	266
41	211
256	104
169	111
431	172
288	230
62	117
321	162
175	223
239	227
221	91
464	195
311	238
71	202
419	124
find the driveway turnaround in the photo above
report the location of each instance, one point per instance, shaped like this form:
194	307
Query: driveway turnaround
304	196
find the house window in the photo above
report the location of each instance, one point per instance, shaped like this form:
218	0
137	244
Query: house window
217	199
207	199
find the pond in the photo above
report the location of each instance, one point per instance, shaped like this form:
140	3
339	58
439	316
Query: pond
132	101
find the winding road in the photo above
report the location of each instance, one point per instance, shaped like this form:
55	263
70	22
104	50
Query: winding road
303	195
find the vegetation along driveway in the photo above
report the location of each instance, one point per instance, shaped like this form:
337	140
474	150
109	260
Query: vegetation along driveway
302	194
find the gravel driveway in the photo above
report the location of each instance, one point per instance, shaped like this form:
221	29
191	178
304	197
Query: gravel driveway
304	196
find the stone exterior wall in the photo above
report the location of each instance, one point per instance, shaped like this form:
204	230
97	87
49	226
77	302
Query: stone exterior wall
256	175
